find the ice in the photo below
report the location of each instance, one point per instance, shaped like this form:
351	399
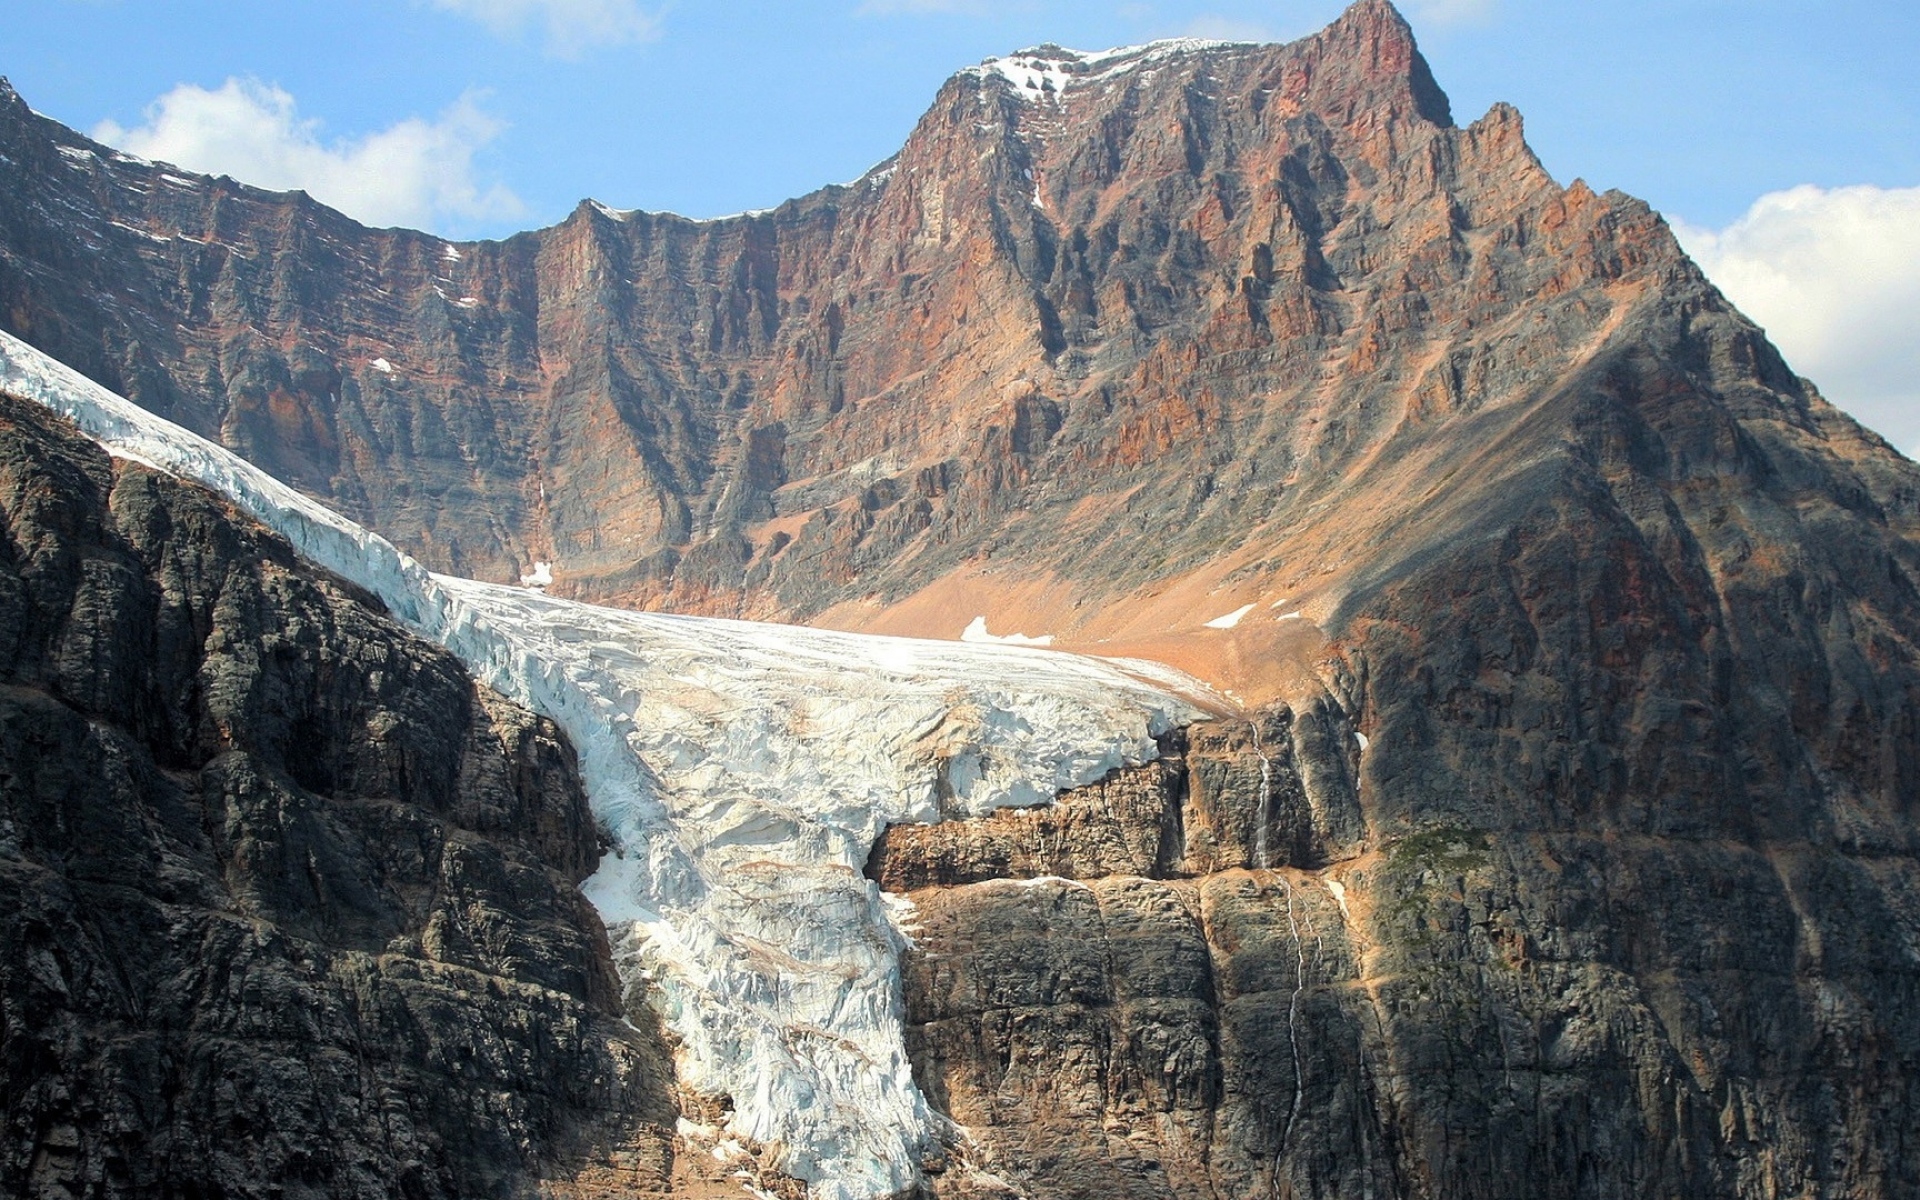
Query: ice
1231	619
976	633
744	772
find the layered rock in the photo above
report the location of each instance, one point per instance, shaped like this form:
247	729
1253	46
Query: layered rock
1581	631
1197	319
289	904
1452	1013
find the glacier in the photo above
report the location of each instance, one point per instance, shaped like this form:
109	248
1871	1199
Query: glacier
744	772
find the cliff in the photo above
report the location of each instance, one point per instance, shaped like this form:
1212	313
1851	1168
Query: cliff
1182	329
1566	846
289	905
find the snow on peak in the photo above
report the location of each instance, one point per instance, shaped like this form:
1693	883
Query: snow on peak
1046	73
744	771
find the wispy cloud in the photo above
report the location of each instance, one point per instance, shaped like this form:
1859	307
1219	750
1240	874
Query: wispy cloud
417	172
1834	277
571	27
1452	12
1230	29
888	8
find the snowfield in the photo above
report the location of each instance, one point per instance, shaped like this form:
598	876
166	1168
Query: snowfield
744	771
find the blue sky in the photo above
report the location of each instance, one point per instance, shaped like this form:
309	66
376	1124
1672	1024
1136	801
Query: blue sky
480	117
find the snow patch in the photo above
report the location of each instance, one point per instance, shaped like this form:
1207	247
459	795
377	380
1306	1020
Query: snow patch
542	576
976	633
450	254
1047	73
1231	619
1044	881
76	156
152	237
1292	616
617	214
1339	892
1361	738
744	772
382	365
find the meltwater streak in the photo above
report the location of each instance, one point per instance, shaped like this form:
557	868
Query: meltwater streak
745	771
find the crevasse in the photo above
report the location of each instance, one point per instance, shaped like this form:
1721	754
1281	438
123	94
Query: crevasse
744	771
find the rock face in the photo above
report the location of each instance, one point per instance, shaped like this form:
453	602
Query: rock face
1201	313
1111	1005
1570	848
288	903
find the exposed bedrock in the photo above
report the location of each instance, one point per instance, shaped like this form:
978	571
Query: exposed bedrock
1574	853
1261	314
1454	1011
288	905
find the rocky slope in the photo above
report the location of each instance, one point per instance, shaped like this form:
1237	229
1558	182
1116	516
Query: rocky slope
1105	358
289	905
1571	849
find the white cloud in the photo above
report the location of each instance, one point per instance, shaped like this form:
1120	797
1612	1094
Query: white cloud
887	8
1834	278
1229	29
417	172
1453	12
572	26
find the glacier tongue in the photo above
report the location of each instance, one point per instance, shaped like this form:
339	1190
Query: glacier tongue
745	771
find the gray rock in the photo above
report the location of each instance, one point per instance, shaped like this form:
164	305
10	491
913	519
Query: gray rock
287	902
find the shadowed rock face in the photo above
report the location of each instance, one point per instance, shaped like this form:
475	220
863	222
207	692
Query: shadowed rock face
1617	897
1115	1000
287	903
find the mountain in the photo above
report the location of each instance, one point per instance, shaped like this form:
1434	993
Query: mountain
283	894
1566	845
738	775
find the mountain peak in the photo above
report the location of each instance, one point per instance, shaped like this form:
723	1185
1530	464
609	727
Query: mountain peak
1373	40
1369	44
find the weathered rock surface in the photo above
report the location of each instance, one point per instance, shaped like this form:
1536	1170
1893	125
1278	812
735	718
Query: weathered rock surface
1253	318
1583	632
287	903
1450	1013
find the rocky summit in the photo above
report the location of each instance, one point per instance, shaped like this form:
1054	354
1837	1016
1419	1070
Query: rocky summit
1556	834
